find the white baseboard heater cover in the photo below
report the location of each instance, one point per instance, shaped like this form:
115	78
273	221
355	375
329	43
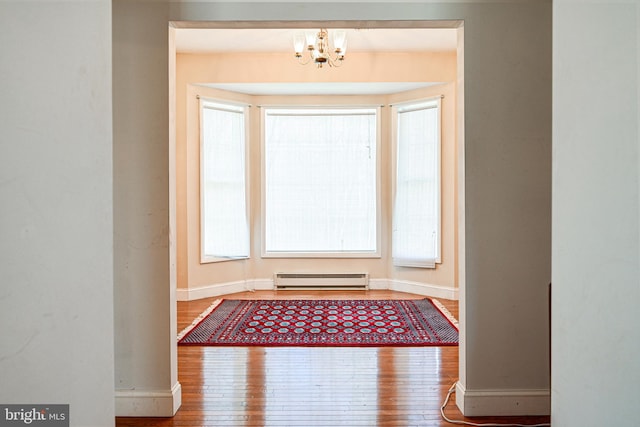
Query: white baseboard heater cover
343	281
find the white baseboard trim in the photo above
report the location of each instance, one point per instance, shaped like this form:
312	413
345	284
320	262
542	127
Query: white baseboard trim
378	284
499	403
215	290
148	403
426	289
219	289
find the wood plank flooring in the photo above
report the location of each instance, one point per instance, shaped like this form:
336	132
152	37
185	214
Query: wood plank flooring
314	386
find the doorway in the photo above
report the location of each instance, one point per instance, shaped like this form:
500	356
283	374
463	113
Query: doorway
229	33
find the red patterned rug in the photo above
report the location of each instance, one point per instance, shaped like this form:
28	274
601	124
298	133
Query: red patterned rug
323	323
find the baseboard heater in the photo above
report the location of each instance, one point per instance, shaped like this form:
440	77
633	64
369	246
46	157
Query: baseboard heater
302	281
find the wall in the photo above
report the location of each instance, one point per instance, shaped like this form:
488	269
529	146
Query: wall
507	230
193	70
145	343
593	384
596	245
56	221
506	236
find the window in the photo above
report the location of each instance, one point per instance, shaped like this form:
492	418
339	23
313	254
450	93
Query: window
416	214
224	217
320	195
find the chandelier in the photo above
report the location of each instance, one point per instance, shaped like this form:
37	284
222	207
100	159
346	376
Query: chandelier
318	49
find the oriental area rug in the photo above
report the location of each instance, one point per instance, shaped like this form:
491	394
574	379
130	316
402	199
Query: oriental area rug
340	323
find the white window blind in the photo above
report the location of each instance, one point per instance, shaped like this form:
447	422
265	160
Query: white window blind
416	214
320	184
224	224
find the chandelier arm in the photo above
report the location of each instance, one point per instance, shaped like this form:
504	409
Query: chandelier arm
302	61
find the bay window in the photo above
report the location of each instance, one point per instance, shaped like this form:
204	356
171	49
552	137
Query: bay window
320	182
223	182
416	211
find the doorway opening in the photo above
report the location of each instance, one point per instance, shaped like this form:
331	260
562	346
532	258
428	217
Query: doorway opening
253	63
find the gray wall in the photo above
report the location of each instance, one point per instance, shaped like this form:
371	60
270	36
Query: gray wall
596	258
56	187
58	247
56	252
144	288
508	158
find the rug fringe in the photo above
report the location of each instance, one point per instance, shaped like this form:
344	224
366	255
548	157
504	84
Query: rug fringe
198	319
446	312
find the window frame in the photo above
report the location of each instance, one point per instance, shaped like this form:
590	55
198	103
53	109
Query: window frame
377	253
205	102
397	109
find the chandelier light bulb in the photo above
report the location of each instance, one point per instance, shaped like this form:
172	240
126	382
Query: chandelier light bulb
343	49
311	39
298	44
339	39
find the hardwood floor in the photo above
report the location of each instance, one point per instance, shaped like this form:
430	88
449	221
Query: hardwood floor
314	386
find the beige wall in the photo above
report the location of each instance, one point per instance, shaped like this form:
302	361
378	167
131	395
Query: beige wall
282	67
193	69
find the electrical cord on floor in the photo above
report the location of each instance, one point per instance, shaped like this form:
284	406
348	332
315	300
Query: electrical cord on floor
467	423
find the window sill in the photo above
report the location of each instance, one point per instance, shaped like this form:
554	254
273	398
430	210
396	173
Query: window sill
211	259
416	263
273	254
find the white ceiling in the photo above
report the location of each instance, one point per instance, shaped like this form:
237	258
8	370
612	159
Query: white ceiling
380	88
208	40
